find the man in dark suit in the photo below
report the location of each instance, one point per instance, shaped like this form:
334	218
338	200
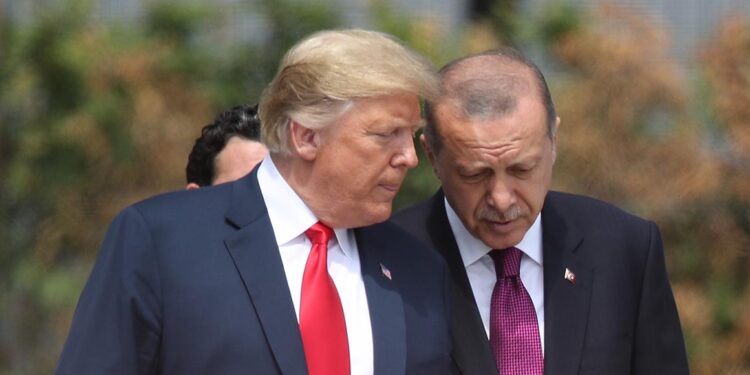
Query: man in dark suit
267	275
588	280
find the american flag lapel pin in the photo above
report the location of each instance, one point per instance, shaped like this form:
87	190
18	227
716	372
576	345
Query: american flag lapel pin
386	272
570	276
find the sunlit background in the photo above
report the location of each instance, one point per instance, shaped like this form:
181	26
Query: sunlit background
100	102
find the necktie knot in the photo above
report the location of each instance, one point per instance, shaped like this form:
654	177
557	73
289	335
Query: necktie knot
507	262
319	233
321	315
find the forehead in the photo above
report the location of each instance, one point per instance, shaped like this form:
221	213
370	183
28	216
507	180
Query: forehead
397	109
526	122
239	150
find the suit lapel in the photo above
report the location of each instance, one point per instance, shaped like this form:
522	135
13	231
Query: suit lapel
471	350
566	304
386	308
256	256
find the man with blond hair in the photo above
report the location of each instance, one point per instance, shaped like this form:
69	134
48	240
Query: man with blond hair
285	271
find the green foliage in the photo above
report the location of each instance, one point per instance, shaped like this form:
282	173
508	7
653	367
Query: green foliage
386	18
506	21
557	20
724	295
175	21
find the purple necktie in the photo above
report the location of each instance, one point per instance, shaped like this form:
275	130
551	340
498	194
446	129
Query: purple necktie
514	333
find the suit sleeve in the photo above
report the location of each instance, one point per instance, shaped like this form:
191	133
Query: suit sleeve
117	324
659	345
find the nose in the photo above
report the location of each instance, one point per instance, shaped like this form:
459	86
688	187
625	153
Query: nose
406	155
500	194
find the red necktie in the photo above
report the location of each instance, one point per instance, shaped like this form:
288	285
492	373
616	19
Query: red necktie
514	333
321	317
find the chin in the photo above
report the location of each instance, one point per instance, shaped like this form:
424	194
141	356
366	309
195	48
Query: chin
500	242
377	215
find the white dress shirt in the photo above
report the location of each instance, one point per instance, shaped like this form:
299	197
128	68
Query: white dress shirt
481	269
290	218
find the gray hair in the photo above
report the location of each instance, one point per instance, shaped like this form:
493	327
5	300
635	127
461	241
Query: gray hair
487	95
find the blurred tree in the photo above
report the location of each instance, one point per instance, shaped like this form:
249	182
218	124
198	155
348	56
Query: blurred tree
103	122
556	21
502	15
724	222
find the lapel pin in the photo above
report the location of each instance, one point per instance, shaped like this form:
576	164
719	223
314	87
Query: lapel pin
570	276
386	272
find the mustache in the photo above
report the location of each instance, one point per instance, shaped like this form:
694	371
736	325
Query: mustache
491	214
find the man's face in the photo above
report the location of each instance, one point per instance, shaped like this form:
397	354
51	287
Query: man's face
363	159
495	172
238	157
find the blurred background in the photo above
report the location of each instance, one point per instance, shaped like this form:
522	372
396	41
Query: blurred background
100	102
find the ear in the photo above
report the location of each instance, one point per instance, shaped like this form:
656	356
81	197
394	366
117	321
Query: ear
554	139
192	186
430	154
305	141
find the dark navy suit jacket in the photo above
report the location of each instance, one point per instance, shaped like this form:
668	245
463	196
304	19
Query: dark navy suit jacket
192	282
618	318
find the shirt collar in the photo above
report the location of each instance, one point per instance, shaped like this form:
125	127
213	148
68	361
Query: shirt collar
531	243
472	248
289	215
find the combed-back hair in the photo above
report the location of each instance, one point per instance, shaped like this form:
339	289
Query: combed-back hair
324	74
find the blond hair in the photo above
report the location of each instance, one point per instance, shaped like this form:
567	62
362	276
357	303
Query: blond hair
322	75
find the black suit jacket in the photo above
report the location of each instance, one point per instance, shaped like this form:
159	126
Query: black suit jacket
618	318
192	282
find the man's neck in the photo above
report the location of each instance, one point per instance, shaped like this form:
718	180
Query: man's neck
298	173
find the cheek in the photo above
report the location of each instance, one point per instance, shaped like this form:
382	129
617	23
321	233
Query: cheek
360	180
470	200
533	193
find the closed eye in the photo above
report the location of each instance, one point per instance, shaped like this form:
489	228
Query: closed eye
473	176
521	171
386	134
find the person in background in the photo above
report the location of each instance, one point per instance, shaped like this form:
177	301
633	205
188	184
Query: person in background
227	149
290	269
544	281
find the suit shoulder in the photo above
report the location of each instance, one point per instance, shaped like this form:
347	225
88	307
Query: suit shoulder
391	231
184	203
411	213
400	243
588	208
420	218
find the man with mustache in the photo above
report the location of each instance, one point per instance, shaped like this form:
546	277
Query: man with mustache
283	271
544	282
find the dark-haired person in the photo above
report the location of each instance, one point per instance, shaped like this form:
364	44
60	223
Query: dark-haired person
227	149
545	282
290	269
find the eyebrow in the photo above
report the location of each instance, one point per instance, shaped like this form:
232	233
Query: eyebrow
414	125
